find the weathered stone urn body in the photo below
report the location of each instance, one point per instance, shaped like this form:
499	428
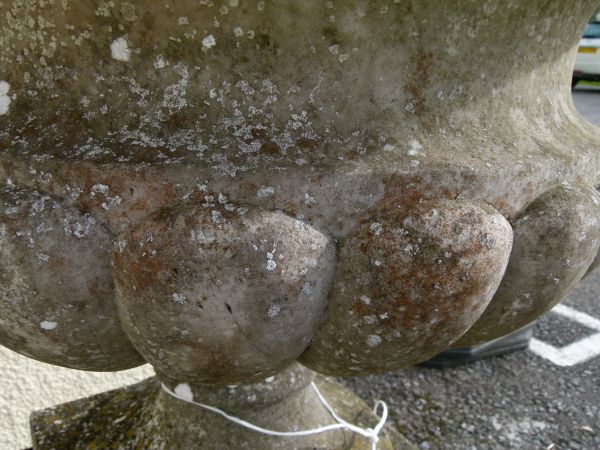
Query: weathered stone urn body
223	188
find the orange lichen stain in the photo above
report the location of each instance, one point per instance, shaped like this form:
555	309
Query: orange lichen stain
410	294
406	193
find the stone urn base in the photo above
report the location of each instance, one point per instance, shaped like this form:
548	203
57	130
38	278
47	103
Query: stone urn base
144	416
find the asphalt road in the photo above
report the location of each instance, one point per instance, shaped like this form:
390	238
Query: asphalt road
587	101
521	401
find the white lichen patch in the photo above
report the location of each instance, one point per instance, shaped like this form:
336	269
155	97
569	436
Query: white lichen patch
48	325
119	49
175	94
344	57
39	205
217	217
265	191
73	227
99	188
179	299
376	228
202	237
121	245
4	98
373	340
415	148
271	264
209	41
307	289
104	7
159	62
273	311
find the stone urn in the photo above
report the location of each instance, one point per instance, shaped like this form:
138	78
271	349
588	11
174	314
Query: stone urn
245	194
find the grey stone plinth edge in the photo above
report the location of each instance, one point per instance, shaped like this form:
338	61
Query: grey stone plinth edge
135	417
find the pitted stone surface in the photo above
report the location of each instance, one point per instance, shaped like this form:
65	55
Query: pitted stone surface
556	240
408	285
365	98
56	285
140	114
222	294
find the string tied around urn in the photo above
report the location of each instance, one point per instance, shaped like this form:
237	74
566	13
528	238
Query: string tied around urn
372	434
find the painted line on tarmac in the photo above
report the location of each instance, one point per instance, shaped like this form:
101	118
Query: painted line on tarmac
576	353
577	316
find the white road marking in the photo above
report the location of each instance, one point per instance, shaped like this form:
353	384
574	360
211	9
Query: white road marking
577	316
577	352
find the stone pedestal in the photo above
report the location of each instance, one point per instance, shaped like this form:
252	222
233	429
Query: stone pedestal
145	416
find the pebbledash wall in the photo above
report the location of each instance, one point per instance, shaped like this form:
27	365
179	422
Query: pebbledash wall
28	385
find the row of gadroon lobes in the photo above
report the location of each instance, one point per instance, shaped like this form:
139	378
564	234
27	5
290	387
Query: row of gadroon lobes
232	295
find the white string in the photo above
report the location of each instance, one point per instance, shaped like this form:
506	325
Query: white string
370	433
